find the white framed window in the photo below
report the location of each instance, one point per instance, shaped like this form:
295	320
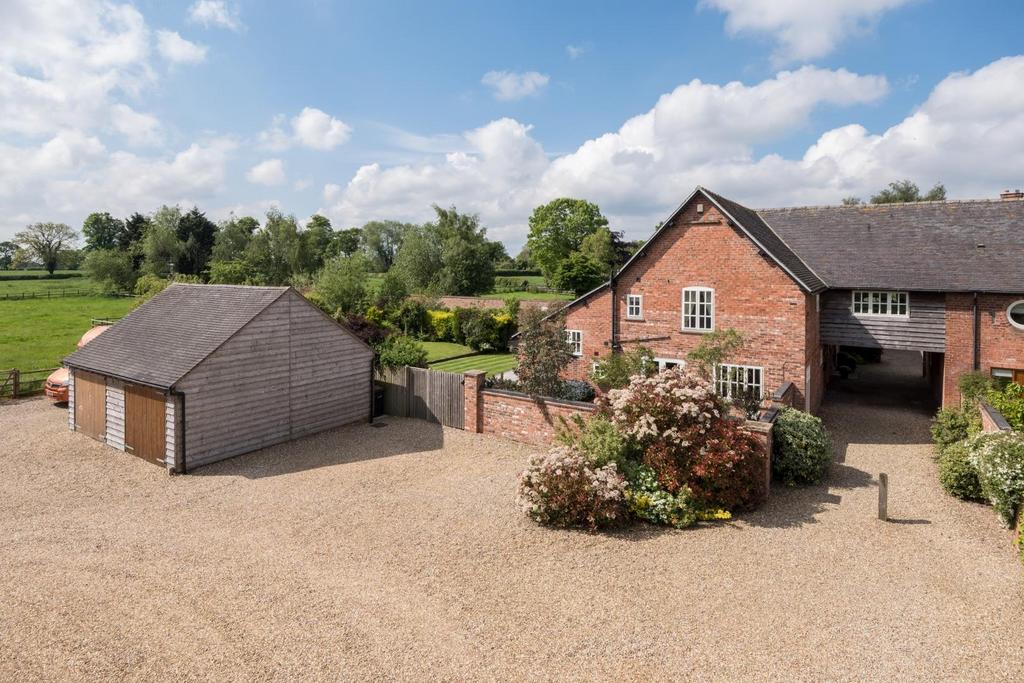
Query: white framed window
699	309
575	337
730	380
1015	314
669	363
878	302
634	307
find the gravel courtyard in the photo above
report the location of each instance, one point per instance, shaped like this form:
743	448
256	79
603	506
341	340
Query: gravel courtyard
398	553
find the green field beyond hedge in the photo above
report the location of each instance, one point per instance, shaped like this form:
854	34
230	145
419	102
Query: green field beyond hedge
38	333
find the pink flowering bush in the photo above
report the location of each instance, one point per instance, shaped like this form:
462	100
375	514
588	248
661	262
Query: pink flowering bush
564	489
679	425
674	406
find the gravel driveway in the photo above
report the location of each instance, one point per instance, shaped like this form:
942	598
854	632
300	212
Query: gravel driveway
398	553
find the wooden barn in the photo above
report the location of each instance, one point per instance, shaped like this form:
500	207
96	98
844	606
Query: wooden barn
201	373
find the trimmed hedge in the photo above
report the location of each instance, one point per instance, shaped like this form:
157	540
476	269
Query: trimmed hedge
957	474
803	449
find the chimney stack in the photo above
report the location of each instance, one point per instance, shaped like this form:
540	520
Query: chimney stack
1011	194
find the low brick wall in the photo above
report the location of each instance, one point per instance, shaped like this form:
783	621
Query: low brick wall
991	420
524	418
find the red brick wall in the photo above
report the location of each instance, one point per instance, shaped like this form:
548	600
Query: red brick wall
752	295
1002	345
524	418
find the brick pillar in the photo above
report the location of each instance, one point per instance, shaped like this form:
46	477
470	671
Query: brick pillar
472	385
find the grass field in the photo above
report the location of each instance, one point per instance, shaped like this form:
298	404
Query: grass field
38	333
438	350
10	287
528	296
493	363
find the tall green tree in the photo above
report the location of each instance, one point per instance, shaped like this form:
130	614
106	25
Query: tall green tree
273	252
46	241
7	251
111	269
558	228
233	238
131	238
316	243
101	231
341	285
382	240
467	265
197	235
346	242
579	274
419	260
908	191
161	247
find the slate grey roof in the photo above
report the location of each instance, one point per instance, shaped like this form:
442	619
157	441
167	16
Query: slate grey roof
775	245
160	341
926	246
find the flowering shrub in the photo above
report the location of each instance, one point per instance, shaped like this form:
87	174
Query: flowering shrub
999	461
729	471
563	489
803	449
648	500
673	406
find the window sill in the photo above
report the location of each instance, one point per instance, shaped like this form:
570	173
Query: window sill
687	331
633	320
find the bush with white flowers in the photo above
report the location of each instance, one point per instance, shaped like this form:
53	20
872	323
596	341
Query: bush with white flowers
564	489
999	461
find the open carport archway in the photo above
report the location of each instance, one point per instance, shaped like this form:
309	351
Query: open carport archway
904	379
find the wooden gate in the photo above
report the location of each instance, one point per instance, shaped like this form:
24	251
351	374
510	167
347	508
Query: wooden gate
431	395
90	404
144	418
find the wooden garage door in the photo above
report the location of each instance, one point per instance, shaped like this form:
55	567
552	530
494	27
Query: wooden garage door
90	404
144	423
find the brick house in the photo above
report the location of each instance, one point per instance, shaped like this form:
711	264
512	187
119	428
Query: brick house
945	279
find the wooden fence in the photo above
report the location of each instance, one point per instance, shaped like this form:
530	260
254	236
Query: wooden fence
432	395
16	383
58	293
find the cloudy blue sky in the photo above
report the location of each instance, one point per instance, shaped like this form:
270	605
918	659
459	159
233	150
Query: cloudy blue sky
367	110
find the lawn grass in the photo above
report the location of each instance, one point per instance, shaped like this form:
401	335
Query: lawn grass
42	274
439	350
528	296
493	363
38	333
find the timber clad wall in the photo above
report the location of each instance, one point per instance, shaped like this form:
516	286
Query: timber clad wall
71	401
242	397
330	377
752	295
115	413
923	330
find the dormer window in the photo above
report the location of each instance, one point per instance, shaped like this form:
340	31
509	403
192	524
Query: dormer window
882	303
698	309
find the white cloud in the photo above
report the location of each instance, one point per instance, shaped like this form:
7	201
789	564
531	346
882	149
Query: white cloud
509	85
318	130
139	128
63	64
215	13
967	134
311	127
803	29
575	51
269	172
174	48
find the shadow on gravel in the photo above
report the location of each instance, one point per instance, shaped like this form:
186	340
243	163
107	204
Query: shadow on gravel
385	438
794	506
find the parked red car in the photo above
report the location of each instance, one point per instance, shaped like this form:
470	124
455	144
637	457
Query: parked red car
56	387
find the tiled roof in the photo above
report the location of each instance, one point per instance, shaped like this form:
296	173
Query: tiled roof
159	342
932	246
